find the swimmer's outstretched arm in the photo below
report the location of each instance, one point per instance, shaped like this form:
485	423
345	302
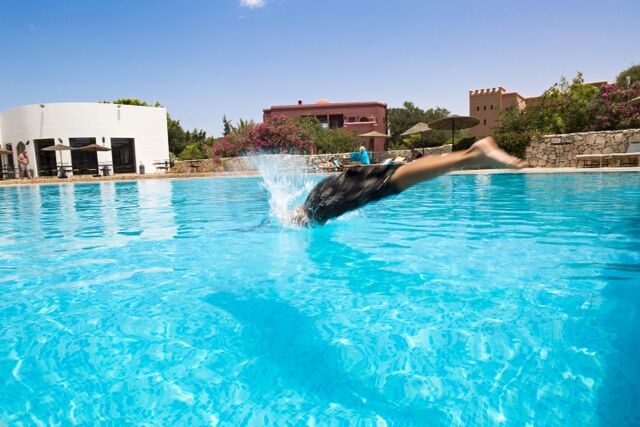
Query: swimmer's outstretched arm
483	154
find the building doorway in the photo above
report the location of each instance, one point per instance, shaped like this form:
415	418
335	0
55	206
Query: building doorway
83	162
45	160
123	154
9	168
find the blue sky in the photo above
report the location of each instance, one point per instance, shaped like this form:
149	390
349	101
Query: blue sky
205	58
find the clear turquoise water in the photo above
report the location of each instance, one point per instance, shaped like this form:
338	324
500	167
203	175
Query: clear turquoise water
472	299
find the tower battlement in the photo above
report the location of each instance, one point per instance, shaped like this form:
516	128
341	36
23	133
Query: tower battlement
489	91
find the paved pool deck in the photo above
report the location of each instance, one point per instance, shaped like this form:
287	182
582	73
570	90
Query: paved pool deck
246	174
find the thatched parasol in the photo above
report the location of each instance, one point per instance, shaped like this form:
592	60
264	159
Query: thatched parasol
92	147
3	151
454	123
55	148
419	127
374	134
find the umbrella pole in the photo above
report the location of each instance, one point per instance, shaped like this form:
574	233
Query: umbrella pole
453	137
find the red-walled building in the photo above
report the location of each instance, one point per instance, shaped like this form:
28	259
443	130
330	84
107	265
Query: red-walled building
357	117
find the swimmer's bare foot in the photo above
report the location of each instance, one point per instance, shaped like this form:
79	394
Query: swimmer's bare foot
490	155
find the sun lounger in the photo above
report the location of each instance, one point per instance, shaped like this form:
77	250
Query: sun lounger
633	152
594	160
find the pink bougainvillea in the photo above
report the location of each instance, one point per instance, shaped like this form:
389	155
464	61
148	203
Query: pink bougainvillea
613	110
278	135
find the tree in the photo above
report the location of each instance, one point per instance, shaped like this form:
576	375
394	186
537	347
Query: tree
227	125
567	107
133	101
633	72
401	119
574	104
192	152
328	140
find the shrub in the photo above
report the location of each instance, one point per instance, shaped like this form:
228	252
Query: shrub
612	111
193	152
328	140
278	135
570	107
633	72
515	143
464	143
337	141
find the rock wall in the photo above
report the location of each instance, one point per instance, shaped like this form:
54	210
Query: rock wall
235	164
553	151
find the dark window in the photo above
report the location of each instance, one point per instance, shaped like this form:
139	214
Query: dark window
10	164
45	160
492	106
478	108
336	121
485	121
351	119
83	162
364	119
485	108
324	121
123	155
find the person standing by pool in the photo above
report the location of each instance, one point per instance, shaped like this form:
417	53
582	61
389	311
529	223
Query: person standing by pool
361	156
364	156
23	164
357	187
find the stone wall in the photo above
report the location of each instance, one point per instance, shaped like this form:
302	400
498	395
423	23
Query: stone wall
235	164
552	151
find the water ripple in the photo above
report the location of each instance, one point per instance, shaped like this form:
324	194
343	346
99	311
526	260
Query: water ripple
468	300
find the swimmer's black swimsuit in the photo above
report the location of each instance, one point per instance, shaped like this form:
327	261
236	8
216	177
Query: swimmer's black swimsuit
349	190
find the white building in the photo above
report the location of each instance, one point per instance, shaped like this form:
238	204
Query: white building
135	136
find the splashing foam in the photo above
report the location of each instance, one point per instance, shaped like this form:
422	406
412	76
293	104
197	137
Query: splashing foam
284	177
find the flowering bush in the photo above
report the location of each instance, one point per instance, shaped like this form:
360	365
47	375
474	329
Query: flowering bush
278	135
566	108
612	110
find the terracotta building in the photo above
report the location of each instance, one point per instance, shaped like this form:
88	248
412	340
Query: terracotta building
486	105
357	117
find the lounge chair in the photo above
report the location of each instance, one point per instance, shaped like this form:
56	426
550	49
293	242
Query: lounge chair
594	160
633	152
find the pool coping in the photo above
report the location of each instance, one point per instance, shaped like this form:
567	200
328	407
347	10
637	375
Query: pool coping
253	174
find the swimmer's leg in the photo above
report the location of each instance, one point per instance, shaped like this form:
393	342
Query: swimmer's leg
483	154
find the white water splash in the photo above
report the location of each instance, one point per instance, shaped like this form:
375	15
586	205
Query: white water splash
284	177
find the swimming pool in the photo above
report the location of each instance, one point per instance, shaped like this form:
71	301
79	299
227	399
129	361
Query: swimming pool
470	299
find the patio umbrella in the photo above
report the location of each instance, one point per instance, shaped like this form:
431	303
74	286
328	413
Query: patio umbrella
55	148
420	128
92	147
454	123
374	134
3	151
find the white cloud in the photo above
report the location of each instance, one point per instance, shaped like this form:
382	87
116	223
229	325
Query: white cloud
252	4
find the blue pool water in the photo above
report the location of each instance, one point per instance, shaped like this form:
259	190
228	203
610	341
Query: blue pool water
472	299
